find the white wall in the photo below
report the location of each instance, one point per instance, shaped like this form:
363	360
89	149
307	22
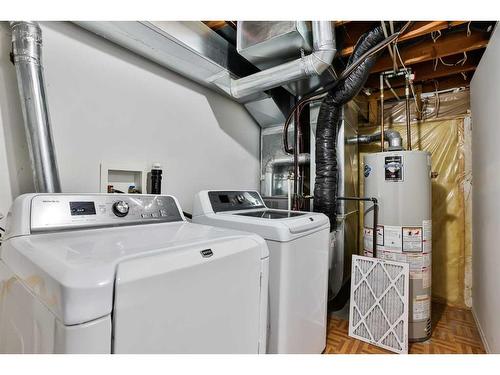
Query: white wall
485	104
109	105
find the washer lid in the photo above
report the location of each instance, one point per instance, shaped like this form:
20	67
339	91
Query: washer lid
283	229
271	214
73	272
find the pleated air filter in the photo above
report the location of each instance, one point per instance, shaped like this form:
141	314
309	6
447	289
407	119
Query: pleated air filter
379	303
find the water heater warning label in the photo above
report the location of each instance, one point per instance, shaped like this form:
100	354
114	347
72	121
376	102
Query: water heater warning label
421	307
368	240
412	239
392	238
393	166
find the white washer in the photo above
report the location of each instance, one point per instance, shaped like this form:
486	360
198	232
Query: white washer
127	274
298	266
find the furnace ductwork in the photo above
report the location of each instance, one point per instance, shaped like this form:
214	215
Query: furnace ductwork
314	64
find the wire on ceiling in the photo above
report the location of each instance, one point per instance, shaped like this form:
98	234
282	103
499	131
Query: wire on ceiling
310	97
435	35
462	61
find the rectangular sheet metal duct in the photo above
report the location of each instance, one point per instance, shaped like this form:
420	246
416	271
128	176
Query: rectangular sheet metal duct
196	52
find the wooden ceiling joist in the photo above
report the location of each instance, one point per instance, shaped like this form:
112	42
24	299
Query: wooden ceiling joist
447	45
215	25
426	71
418	51
430	86
422	28
416	30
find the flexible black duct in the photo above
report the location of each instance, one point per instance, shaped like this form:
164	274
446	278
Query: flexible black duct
325	187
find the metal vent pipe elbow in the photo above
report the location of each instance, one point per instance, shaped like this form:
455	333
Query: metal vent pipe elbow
314	64
393	137
27	58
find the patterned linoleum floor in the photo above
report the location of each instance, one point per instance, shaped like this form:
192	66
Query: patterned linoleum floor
454	332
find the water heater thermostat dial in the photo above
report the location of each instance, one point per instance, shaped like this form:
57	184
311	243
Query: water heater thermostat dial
120	208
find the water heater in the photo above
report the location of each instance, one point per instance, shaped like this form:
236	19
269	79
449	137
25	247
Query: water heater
401	181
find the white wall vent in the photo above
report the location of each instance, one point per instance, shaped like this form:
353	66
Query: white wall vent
379	303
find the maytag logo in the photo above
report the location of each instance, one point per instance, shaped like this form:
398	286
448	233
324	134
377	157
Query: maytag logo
207	253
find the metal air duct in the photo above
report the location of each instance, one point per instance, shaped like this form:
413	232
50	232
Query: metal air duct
391	136
196	52
27	58
311	65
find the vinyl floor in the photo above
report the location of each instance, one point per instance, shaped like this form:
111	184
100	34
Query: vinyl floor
454	332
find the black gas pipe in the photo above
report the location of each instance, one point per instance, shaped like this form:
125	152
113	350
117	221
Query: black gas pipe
375	216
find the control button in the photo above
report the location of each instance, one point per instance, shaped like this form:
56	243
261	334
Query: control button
163	213
144	216
120	208
155	214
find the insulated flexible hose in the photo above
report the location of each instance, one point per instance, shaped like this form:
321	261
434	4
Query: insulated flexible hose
326	184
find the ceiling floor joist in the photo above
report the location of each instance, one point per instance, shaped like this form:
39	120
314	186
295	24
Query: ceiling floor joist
447	45
432	85
430	70
416	30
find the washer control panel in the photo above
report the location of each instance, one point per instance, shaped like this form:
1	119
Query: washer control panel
235	200
50	212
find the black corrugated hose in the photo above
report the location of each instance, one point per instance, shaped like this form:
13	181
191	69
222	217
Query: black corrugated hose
325	186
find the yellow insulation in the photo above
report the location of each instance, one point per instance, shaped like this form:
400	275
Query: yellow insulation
451	244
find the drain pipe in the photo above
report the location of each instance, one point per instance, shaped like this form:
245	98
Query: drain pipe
316	63
27	58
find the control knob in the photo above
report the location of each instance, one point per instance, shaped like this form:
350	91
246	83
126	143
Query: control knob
120	208
240	198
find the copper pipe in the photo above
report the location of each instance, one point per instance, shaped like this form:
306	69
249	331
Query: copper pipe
407	108
296	151
382	112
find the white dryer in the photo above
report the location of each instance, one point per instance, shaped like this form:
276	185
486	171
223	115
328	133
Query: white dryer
298	267
127	274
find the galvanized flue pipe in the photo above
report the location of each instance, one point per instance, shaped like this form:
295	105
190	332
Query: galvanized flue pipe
27	58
